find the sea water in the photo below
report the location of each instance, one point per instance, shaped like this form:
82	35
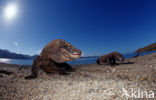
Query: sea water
83	60
30	61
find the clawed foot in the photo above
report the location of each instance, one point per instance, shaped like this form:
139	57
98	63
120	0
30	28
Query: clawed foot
30	77
70	70
63	73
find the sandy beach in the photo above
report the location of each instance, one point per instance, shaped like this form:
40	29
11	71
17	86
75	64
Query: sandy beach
88	82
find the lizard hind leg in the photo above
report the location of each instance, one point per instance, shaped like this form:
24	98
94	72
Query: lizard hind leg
64	68
33	73
34	69
68	68
63	71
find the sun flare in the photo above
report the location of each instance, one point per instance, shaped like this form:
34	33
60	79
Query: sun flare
10	11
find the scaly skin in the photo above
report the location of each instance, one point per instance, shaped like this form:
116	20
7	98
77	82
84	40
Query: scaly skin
53	57
110	58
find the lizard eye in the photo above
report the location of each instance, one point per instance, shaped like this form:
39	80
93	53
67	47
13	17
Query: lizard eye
67	44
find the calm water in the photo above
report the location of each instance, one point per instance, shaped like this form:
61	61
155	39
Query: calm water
29	62
77	61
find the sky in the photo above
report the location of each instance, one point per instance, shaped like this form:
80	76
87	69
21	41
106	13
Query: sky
96	27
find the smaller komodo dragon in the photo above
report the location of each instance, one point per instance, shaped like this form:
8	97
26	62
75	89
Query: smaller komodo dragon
110	58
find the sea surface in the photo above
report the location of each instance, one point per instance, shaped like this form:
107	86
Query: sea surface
30	61
84	60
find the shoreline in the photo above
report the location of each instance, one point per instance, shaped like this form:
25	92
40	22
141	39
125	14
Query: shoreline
89	81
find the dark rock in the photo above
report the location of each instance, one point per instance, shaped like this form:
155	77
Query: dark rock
104	88
70	83
91	90
44	91
1	75
5	72
87	75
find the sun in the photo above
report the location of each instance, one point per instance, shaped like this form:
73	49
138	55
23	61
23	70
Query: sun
10	11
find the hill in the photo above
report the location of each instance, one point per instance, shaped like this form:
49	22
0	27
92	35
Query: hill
12	55
151	47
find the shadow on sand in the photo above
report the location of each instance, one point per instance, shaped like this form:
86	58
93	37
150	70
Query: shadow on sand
127	63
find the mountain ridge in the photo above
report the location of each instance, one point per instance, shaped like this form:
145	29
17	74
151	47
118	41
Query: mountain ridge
12	55
150	47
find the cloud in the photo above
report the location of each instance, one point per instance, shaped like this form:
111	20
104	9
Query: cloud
35	51
83	54
16	43
39	51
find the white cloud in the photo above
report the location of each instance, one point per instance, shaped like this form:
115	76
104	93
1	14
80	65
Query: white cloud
35	51
39	51
16	43
83	54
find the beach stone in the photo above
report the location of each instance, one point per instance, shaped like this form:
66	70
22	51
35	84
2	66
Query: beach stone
113	70
35	87
87	75
70	83
30	94
100	86
149	59
24	92
91	90
47	97
104	88
13	91
44	91
1	75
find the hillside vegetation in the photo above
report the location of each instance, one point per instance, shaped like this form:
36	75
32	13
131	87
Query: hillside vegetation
151	47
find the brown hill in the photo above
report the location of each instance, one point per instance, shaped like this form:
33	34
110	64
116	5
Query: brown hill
150	47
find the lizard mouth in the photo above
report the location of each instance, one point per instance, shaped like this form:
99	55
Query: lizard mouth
78	54
73	55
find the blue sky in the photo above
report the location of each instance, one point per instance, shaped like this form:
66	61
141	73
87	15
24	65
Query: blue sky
94	26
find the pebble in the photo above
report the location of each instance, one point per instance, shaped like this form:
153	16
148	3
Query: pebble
1	75
99	86
87	75
30	94
44	91
70	83
91	90
113	70
35	87
104	88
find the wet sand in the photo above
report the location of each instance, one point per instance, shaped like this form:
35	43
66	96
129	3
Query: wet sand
88	82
